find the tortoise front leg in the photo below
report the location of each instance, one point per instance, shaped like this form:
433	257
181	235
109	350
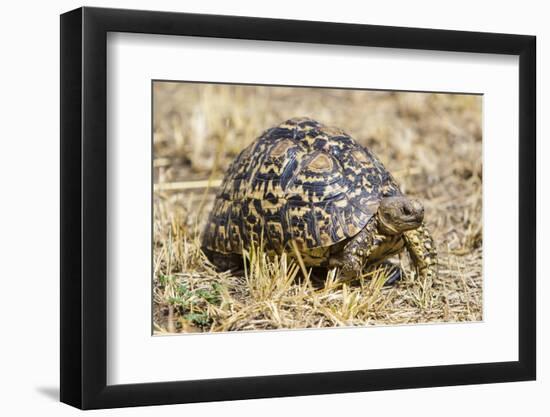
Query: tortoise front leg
422	249
352	258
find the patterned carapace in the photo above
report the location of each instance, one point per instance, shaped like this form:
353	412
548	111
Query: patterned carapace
299	181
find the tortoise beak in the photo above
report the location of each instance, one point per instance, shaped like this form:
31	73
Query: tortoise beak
415	209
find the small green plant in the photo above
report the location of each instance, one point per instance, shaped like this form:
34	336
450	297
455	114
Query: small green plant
191	303
199	319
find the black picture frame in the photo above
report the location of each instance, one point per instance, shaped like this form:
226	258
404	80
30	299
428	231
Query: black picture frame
84	207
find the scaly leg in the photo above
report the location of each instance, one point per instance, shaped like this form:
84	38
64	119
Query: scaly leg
422	249
354	255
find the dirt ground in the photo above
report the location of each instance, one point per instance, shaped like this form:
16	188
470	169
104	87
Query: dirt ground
431	143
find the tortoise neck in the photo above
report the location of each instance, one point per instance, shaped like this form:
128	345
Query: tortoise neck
385	228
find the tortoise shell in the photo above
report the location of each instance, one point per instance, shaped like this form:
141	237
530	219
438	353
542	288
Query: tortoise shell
298	181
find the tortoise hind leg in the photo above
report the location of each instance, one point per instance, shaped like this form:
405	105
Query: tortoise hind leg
225	262
422	249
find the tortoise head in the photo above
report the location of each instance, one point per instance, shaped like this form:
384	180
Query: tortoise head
398	214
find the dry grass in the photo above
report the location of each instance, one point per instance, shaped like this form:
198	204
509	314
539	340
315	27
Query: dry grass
430	142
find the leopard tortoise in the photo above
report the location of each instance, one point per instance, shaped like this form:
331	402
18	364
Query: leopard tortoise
315	185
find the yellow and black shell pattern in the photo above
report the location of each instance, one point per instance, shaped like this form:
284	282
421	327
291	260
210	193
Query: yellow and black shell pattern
299	181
